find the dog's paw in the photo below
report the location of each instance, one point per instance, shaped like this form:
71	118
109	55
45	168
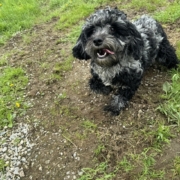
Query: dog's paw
105	90
117	104
113	110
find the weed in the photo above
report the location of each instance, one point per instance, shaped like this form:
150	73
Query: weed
63	66
176	163
99	149
99	173
3	60
27	38
171	108
12	83
16	141
162	134
81	136
62	96
146	160
58	70
89	125
126	165
2	165
45	65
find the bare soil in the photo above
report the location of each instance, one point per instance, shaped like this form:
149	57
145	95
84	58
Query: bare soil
63	103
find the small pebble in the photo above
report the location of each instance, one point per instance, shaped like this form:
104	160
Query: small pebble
15	145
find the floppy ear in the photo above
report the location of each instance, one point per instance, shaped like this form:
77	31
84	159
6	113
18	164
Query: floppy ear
135	42
79	48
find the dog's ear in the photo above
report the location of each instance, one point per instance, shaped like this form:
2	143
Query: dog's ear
79	48
135	42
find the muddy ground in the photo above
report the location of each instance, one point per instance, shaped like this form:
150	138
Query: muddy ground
64	106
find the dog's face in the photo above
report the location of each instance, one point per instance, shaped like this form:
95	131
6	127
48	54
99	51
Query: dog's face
103	46
106	38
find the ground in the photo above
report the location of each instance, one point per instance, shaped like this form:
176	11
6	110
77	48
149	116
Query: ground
67	119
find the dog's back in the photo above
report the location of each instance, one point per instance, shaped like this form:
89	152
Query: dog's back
156	45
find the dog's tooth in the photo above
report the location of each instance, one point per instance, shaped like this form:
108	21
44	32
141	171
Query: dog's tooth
101	56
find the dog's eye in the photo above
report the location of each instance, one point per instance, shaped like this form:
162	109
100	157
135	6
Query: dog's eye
112	30
89	32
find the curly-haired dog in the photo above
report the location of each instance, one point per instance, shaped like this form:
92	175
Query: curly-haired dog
120	52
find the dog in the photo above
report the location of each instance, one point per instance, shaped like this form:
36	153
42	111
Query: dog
120	52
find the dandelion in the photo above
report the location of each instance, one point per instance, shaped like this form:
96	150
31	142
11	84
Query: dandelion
11	85
17	104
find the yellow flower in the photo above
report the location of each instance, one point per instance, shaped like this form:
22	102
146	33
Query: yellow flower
0	4
11	85
17	104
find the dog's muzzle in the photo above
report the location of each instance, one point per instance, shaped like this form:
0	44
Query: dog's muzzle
101	52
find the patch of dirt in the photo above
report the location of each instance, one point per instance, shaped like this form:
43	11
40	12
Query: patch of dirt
63	103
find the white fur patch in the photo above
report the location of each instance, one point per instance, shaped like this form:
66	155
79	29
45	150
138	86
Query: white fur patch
107	74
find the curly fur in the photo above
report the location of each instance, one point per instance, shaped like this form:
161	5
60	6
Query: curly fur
120	52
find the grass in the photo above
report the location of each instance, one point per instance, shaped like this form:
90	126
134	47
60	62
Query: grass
99	149
146	5
98	173
64	66
2	165
171	96
13	81
78	12
176	164
147	161
16	16
171	14
178	49
89	125
126	165
72	35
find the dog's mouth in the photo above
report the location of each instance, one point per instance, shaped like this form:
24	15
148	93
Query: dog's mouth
102	53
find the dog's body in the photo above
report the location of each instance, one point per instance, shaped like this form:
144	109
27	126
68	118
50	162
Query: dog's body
120	51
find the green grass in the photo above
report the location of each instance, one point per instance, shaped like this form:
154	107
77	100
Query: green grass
170	14
62	67
2	165
178	48
71	36
77	13
99	149
126	165
74	11
148	5
16	15
171	96
12	84
143	163
176	166
98	173
89	125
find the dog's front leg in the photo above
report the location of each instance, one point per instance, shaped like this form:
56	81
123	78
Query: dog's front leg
125	91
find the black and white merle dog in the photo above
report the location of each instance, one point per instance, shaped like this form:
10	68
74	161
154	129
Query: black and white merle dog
120	52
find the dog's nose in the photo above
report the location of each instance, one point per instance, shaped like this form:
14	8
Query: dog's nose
97	41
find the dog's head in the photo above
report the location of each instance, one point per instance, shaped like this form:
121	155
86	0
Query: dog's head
107	37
